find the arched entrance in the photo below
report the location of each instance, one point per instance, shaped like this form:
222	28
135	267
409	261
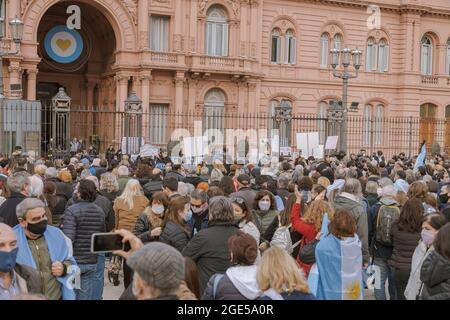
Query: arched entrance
81	61
427	129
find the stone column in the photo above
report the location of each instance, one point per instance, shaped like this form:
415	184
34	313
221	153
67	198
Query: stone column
15	78
121	90
31	83
178	26
244	48
143	22
179	88
145	78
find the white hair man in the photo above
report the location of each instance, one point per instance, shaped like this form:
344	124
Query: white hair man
18	184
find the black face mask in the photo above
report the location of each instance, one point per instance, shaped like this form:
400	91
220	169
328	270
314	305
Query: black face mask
38	228
443	198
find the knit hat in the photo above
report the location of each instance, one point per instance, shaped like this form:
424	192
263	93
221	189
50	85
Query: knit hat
159	265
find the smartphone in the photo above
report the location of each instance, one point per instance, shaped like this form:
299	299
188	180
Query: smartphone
106	242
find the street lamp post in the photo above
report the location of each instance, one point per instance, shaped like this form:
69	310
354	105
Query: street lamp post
338	112
283	115
16	35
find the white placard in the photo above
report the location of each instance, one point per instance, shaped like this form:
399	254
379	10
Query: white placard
331	143
318	152
307	142
148	150
285	151
275	145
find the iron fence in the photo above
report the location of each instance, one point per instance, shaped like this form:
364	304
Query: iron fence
29	124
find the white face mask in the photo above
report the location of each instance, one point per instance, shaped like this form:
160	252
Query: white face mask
264	205
158	209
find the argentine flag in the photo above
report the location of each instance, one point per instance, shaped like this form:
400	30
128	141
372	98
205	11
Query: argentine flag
421	157
339	263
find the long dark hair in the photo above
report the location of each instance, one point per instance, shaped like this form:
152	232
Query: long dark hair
411	216
442	241
175	205
191	277
285	215
227	185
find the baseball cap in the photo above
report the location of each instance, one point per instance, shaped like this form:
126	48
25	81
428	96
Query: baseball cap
84	161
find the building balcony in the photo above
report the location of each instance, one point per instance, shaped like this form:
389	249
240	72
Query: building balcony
433	80
159	59
220	64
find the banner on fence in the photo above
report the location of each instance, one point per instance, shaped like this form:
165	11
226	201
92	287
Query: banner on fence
307	142
148	150
331	143
285	151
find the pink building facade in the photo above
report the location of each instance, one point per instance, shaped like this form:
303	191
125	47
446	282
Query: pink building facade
239	55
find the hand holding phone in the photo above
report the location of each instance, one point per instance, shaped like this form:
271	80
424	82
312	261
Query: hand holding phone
131	244
106	242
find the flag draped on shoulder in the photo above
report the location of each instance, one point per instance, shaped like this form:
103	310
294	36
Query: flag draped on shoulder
339	263
421	157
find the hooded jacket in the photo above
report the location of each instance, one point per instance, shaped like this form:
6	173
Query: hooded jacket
238	283
435	275
349	202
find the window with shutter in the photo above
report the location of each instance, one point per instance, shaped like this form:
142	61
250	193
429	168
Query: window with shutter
382	56
216	33
447	65
276	46
324	41
158	117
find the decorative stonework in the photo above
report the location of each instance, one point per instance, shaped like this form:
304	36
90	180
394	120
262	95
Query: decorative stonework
131	5
23	6
234	4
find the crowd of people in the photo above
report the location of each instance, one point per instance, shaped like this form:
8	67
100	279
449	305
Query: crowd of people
303	229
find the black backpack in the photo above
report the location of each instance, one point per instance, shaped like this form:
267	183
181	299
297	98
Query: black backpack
387	215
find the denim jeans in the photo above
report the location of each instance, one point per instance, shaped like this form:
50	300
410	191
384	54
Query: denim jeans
91	282
380	294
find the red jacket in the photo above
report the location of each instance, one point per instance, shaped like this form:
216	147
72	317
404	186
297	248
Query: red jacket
307	230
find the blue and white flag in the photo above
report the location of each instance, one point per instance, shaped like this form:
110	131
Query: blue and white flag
339	264
421	157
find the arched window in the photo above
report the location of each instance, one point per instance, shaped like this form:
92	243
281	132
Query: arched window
337	41
282	129
216	32
324	44
367	127
383	56
291	46
447	64
371	55
214	111
321	121
426	59
275	53
379	115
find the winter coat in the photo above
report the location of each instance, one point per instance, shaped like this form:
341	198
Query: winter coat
404	244
122	180
80	221
194	180
125	217
307	230
110	195
295	295
263	220
146	222
8	209
414	283
176	175
372	199
204	224
107	208
28	279
347	201
99	171
174	235
284	194
247	194
238	283
209	249
435	275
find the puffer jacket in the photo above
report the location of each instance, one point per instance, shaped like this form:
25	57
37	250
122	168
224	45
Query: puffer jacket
175	236
146	222
80	221
405	244
151	187
263	220
344	201
435	275
238	283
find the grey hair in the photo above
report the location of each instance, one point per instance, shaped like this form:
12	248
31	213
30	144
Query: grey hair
37	185
216	175
352	173
388	191
383	182
221	210
200	195
371	187
51	172
353	186
123	171
108	182
340	173
17	181
27	205
283	181
182	188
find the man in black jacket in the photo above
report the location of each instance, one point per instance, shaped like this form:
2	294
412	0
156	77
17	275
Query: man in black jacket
80	221
155	183
18	184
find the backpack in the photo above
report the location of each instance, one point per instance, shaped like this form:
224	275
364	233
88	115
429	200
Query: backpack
387	215
282	238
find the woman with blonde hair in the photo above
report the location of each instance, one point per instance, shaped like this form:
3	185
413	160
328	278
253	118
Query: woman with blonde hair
127	209
323	181
279	278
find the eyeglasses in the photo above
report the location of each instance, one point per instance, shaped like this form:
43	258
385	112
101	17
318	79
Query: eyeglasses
237	200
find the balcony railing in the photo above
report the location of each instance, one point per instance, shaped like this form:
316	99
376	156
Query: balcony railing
217	61
430	80
165	57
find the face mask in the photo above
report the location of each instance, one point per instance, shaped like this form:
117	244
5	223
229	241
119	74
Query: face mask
8	260
427	237
158	209
188	216
443	198
38	228
264	205
200	209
